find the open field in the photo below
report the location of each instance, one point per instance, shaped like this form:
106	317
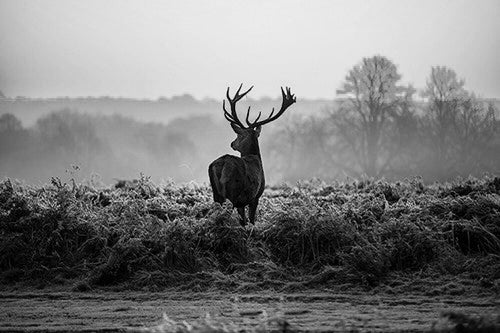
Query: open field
115	311
343	256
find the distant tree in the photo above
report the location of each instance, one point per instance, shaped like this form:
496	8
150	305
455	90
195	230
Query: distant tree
456	126
198	139
67	137
474	127
184	99
372	97
55	132
444	92
12	134
178	147
15	143
9	123
1	95
301	149
403	138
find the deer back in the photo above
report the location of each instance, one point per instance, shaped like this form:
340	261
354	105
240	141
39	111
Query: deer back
239	179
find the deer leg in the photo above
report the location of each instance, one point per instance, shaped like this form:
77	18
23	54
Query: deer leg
241	211
252	209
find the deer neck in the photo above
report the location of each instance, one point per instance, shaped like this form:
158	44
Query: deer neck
253	149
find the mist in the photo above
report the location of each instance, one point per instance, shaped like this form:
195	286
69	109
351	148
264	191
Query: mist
108	91
87	139
376	128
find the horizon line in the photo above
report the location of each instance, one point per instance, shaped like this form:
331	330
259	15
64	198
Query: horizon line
209	98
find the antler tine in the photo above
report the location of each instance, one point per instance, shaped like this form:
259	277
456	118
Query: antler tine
250	124
238	91
237	97
246	118
288	99
233	117
226	114
230	117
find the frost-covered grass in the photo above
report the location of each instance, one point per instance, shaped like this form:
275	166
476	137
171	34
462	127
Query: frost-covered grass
312	235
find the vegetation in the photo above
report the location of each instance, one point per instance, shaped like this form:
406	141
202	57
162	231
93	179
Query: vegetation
367	233
380	130
113	146
374	100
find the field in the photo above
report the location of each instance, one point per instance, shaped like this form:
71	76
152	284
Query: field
370	246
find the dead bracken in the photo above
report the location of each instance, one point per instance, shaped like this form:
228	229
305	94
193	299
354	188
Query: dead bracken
366	234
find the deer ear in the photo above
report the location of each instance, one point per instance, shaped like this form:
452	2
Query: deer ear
257	130
236	128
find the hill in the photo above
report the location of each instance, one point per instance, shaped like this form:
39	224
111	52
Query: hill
162	110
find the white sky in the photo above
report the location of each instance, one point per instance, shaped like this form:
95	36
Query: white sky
162	48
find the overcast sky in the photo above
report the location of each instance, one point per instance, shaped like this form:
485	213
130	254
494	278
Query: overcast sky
147	49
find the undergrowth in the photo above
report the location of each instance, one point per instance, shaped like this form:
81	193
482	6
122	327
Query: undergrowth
143	235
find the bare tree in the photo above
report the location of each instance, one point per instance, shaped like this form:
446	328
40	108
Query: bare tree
456	126
444	92
372	95
403	138
475	128
9	123
304	147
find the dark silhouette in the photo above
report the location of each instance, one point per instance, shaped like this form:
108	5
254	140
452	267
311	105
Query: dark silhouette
241	179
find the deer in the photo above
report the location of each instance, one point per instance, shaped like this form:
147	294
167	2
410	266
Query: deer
241	179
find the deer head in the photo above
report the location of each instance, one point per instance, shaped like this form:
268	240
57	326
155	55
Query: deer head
246	141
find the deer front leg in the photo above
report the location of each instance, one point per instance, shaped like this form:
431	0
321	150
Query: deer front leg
241	211
252	209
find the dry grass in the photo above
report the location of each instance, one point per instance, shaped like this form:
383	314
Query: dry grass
145	235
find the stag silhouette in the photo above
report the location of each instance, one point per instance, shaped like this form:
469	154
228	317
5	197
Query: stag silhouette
241	179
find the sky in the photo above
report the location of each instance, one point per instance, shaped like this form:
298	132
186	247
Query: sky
148	49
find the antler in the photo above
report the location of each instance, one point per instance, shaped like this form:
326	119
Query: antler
233	117
288	99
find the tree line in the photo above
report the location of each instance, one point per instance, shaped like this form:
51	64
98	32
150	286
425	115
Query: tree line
382	130
376	128
70	144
